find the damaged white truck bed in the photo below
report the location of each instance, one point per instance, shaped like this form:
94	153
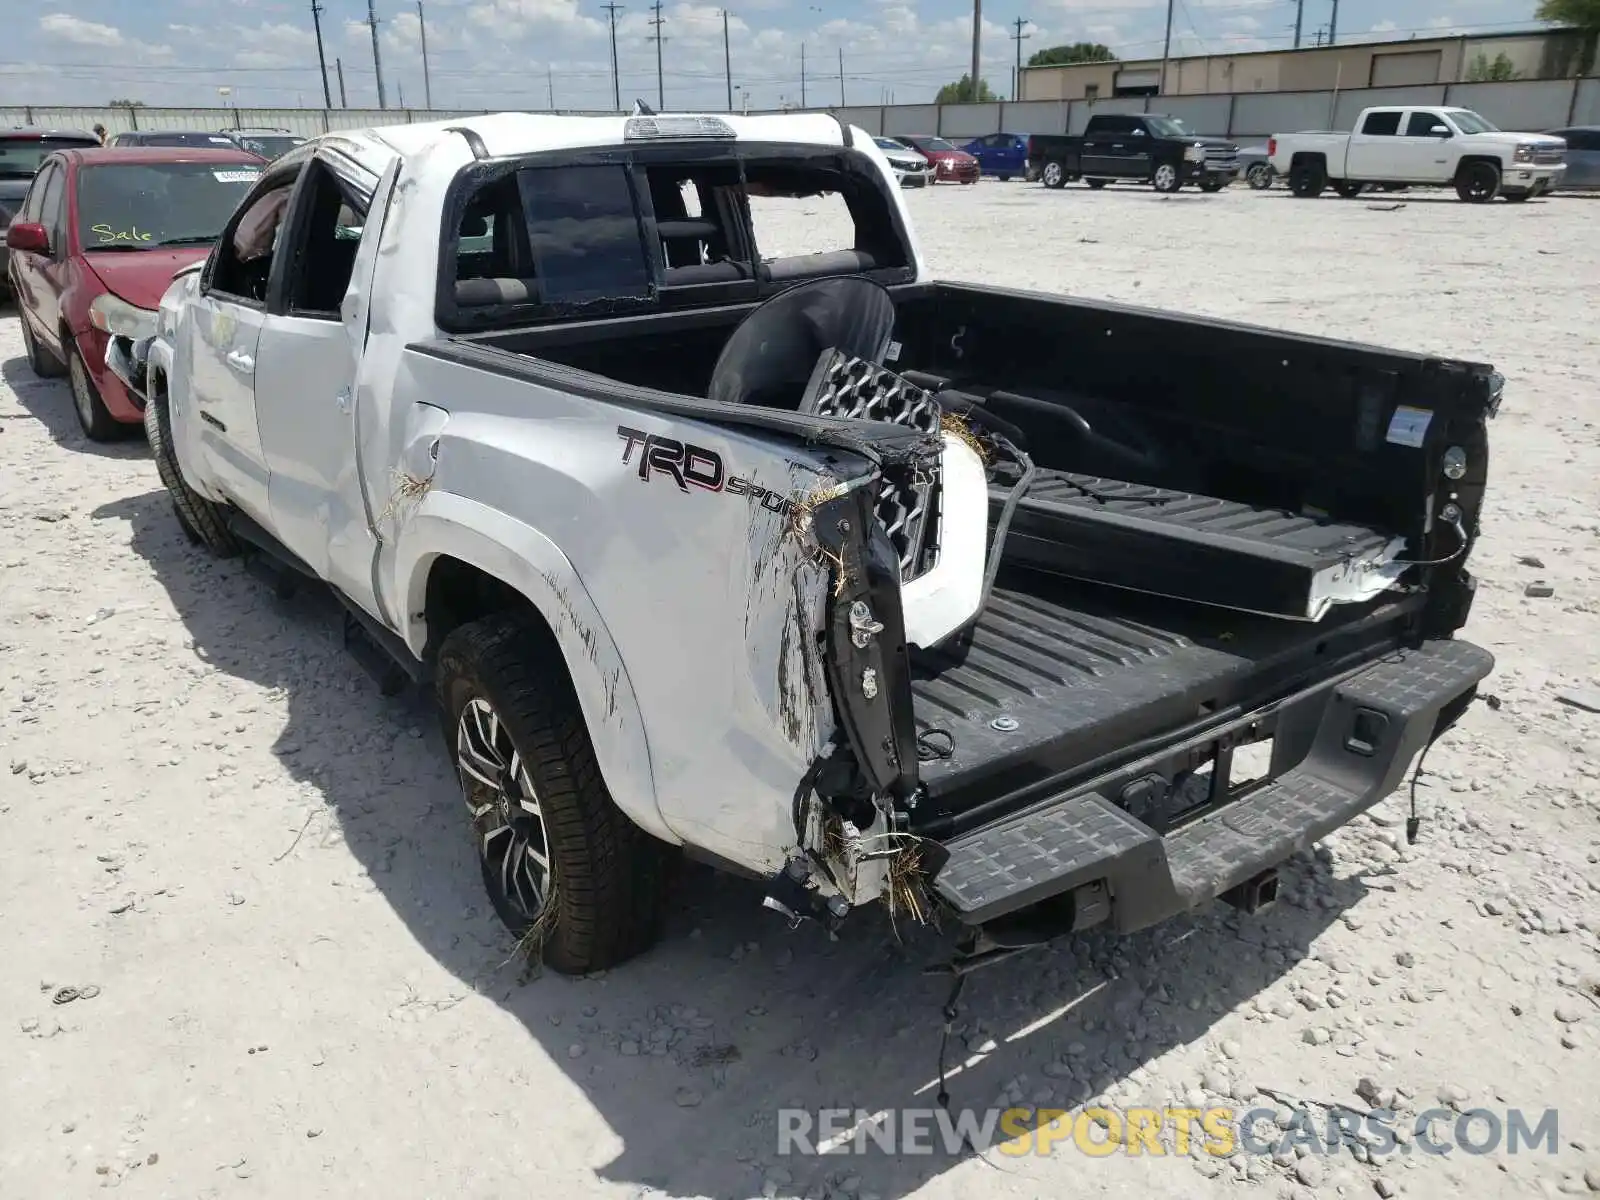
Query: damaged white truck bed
871	586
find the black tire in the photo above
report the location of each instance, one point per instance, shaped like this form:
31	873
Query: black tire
1478	182
1005	179
1519	197
95	418
1260	176
1349	188
1166	178
1212	185
1097	184
610	876
1308	179
40	361
1053	175
201	519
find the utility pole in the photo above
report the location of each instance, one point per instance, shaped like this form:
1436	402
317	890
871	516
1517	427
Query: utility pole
338	65
402	86
658	21
841	76
377	59
977	42
802	74
1299	19
322	63
616	91
550	85
727	60
1018	37
427	82
1333	24
1166	49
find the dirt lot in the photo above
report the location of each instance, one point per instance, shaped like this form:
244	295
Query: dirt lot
209	815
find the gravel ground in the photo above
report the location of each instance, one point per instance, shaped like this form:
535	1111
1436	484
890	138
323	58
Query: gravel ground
253	869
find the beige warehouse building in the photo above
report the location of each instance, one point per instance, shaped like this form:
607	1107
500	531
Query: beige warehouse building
1541	54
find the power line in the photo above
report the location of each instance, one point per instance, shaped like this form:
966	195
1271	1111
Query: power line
611	11
427	84
727	60
1016	76
658	21
377	59
322	63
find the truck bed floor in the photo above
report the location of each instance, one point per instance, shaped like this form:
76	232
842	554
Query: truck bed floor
1061	673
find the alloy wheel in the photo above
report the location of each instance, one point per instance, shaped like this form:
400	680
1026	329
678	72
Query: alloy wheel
1052	175
507	821
1165	178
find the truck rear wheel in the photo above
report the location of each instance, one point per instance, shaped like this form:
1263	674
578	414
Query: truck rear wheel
1308	179
1478	182
1054	175
201	519
565	869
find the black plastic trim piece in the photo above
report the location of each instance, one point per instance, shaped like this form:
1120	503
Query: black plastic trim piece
474	142
877	441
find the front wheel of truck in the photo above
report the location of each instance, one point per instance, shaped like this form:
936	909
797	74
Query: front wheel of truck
200	519
577	882
1478	182
1166	178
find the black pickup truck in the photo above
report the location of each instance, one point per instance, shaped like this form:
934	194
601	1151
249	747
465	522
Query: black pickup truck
1147	147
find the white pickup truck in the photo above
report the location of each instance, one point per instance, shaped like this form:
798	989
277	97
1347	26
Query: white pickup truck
692	568
1421	145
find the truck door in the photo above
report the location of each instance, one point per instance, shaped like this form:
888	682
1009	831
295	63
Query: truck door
1105	146
224	337
1425	145
1375	150
305	380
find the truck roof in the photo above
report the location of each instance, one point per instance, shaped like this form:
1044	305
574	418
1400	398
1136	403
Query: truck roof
509	134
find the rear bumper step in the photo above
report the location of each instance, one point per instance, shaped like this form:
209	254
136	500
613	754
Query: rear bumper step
1371	726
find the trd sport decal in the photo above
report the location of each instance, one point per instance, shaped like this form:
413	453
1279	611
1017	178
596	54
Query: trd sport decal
692	466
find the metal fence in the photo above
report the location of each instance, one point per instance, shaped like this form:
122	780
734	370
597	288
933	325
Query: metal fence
1523	104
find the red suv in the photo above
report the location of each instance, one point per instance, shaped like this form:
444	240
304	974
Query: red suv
95	244
949	162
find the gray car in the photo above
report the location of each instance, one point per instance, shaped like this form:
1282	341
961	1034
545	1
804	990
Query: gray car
1583	157
21	151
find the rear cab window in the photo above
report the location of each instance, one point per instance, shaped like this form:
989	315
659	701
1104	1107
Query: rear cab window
21	156
661	227
1381	124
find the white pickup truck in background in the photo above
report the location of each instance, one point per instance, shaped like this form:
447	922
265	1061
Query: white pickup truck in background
1421	146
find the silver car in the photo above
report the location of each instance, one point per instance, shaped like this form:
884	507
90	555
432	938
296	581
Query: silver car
1583	157
910	168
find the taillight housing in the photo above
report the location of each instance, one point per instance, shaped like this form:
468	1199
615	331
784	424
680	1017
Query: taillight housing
1272	147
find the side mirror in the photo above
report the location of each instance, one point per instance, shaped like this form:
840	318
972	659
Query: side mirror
29	237
1440	131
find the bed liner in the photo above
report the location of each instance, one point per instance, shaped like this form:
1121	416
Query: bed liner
1071	670
1196	548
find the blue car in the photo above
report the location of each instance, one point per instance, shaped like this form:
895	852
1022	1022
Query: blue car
1001	154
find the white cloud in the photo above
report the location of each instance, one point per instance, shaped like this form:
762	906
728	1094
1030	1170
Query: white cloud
75	30
1383	27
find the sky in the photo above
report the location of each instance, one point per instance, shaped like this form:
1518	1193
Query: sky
528	54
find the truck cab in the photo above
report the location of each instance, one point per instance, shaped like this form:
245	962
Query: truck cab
879	588
1422	145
